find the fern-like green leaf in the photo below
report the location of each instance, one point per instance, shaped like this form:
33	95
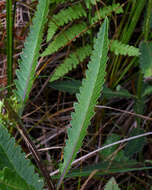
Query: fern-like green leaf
111	185
64	37
29	57
146	58
63	17
71	62
87	99
123	49
9	179
12	158
106	11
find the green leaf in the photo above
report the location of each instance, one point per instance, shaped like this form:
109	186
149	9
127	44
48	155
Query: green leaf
106	168
110	139
10	180
70	86
64	37
64	17
29	57
136	145
12	158
123	49
121	93
146	58
106	11
147	91
89	3
71	62
120	156
111	185
87	99
139	105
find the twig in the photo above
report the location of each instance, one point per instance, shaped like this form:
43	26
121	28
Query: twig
127	112
104	147
46	149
